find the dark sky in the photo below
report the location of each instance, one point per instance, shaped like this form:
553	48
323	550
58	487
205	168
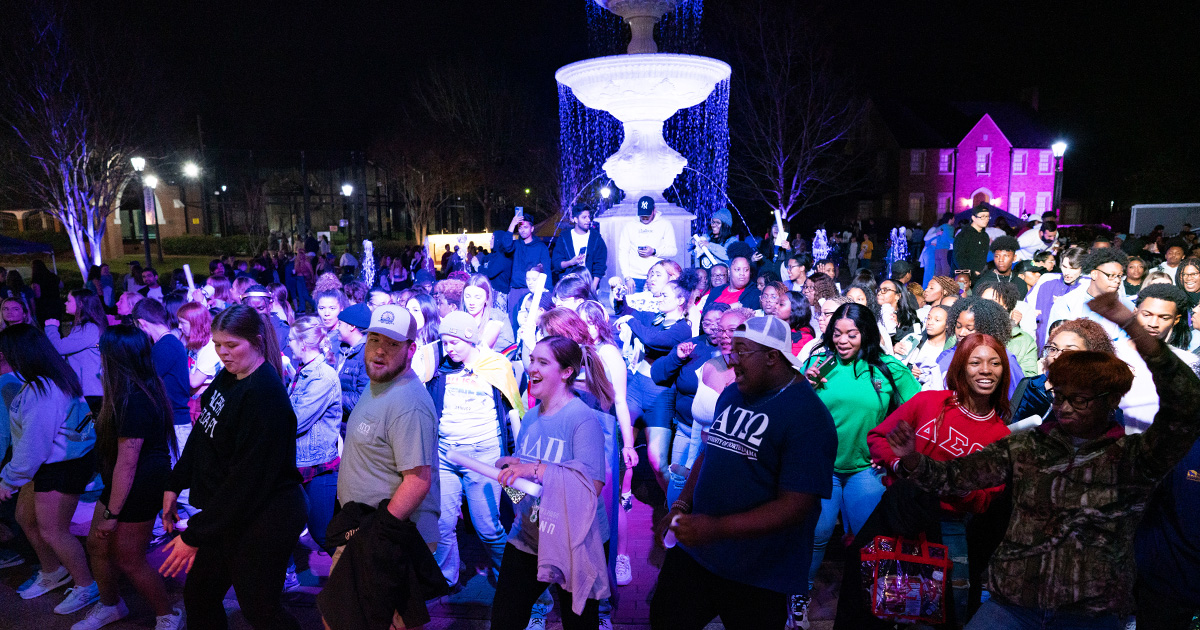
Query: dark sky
1117	79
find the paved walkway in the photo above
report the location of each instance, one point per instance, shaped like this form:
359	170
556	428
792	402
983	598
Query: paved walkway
467	610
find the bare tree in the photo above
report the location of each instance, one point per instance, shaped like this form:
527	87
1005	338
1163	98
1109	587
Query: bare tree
426	172
74	126
793	115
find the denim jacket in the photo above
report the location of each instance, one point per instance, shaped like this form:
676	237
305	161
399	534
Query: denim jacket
352	370
316	396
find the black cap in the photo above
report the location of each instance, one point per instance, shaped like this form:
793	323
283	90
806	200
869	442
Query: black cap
1027	265
900	267
645	206
357	315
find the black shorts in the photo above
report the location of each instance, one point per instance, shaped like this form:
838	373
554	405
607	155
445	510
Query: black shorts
69	477
145	498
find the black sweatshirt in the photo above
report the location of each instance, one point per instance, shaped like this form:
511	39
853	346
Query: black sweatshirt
242	451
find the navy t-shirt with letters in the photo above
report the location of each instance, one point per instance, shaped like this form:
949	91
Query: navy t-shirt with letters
783	440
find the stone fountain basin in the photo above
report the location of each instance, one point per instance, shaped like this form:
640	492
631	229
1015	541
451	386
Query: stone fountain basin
645	86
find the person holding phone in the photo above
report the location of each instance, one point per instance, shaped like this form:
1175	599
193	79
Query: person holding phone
581	248
644	243
526	251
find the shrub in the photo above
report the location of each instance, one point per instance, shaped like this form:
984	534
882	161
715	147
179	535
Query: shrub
207	245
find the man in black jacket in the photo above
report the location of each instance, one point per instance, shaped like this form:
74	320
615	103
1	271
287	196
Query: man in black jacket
971	243
580	248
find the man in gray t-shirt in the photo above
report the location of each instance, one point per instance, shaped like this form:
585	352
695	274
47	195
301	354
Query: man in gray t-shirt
391	447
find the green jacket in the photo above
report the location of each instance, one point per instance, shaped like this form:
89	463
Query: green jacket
1069	544
858	396
1024	348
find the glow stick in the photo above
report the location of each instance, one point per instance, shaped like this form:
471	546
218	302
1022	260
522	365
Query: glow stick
781	237
187	272
524	485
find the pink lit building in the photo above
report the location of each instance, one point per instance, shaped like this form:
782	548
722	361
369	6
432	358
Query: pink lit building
951	157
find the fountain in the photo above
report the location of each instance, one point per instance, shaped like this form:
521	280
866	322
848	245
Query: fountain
642	89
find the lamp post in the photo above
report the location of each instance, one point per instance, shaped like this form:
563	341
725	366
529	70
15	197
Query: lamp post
149	183
348	192
1059	148
139	165
190	171
605	194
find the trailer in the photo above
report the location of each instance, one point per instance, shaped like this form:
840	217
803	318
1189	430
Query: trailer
1171	216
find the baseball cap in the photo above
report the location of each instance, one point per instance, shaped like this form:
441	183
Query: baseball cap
1027	265
645	206
770	332
900	267
423	276
357	315
459	324
394	322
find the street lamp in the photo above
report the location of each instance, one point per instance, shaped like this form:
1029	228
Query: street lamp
605	194
347	190
150	182
139	165
1059	149
192	171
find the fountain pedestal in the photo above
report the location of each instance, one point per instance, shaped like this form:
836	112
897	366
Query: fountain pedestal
613	220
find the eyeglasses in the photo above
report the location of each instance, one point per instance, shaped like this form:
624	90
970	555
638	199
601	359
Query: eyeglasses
723	332
885	291
1193	275
1078	401
1115	277
741	354
1052	350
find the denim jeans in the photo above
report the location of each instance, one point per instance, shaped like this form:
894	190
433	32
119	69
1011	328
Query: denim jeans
655	407
322	494
954	536
483	503
994	615
680	454
855	497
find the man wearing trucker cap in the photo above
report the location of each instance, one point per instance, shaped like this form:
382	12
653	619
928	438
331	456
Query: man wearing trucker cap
745	518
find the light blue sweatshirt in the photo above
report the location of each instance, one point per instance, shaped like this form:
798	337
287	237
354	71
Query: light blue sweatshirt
39	436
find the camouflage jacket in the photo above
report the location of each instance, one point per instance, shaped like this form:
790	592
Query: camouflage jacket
1069	545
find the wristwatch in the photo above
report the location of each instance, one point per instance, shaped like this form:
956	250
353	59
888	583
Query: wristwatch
109	516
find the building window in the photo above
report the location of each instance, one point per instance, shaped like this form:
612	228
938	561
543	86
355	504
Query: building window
946	161
1019	160
944	204
916	161
916	205
983	160
1017	203
1043	202
1044	158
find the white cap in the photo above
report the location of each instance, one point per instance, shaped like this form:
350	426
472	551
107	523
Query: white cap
770	332
394	322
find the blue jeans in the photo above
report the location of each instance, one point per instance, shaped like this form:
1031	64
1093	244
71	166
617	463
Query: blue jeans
680	454
855	496
994	615
655	407
954	536
321	493
483	502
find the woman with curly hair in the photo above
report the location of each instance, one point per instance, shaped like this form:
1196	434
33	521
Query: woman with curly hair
975	314
1031	401
938	288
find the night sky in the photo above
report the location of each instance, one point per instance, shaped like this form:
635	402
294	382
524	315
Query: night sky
1116	79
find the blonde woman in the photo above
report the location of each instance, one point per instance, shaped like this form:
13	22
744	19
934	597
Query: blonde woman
494	327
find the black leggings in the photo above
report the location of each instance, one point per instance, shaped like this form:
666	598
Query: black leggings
253	561
518	589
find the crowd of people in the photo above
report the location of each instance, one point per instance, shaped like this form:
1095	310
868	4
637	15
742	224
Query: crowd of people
1032	405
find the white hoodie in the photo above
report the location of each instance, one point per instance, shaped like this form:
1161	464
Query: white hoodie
657	234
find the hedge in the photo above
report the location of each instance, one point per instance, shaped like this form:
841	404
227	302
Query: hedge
207	245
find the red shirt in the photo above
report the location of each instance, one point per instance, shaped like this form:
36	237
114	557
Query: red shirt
957	433
729	297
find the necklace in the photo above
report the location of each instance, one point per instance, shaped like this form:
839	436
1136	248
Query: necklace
776	394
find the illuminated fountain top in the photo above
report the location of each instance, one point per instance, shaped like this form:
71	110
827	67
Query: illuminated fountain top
642	90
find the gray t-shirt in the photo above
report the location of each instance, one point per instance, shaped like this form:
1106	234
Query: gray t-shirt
573	433
393	428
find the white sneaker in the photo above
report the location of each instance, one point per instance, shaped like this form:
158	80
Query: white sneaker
536	623
79	598
173	621
101	615
798	613
43	583
624	571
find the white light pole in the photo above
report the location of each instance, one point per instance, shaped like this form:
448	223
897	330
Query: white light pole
348	192
150	182
1060	149
139	165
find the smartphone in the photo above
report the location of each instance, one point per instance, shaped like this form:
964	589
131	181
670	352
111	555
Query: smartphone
583	251
519	211
825	367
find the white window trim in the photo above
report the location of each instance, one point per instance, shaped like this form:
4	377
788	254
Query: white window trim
1045	158
916	162
984	155
1016	204
1020	158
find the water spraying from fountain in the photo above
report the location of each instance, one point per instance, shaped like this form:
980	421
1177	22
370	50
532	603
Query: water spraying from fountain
643	117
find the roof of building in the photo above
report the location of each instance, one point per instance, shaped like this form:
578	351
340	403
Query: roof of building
944	124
